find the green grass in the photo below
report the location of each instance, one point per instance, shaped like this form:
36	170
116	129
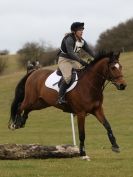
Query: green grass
51	127
12	64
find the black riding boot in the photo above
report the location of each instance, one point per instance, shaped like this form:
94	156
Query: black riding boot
62	91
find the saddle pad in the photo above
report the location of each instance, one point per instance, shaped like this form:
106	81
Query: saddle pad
53	79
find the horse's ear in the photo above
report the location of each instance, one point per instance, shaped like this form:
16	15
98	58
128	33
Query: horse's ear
117	55
111	55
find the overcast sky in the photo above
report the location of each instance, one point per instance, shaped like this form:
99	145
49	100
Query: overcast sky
24	21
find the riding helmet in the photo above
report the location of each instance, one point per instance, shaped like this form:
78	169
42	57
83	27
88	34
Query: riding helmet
77	26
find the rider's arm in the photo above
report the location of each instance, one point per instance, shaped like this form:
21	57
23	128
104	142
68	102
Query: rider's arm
88	50
69	42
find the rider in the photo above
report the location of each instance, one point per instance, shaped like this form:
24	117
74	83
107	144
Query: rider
68	56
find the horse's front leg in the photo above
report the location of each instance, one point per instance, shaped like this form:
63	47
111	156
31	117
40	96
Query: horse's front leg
101	117
81	129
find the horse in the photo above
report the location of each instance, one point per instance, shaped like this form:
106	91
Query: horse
86	98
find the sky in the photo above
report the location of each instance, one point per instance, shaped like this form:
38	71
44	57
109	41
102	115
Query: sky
47	21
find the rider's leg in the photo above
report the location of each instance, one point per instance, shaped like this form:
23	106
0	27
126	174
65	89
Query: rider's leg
62	91
65	66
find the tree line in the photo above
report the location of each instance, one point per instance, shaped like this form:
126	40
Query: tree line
34	51
117	38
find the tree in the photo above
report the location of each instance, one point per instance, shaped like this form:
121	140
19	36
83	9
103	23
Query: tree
117	38
3	63
31	51
4	52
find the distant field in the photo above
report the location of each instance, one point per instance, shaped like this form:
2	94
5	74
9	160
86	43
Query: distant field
52	127
13	65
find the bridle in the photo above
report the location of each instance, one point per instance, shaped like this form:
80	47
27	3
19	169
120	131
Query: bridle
108	76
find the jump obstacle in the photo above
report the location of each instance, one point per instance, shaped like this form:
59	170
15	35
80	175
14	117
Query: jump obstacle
36	151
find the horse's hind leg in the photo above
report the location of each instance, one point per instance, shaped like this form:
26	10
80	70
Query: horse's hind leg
24	117
101	117
25	108
22	114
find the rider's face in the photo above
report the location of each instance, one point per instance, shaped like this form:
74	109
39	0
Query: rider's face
79	33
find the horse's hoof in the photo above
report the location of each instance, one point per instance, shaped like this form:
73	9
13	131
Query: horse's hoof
11	126
116	149
86	158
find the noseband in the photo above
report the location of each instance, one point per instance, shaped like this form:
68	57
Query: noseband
110	76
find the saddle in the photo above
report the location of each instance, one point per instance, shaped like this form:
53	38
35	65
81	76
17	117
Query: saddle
54	80
73	78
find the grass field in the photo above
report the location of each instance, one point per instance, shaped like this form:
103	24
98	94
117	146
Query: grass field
52	127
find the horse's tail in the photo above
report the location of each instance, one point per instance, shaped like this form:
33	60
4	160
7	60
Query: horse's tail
19	96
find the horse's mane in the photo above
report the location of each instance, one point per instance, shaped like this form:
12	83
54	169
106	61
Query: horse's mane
104	54
101	55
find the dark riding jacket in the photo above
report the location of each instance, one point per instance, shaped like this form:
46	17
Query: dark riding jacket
70	47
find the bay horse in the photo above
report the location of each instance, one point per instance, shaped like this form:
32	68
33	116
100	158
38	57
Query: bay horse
86	98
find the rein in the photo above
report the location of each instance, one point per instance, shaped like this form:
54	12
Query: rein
110	78
98	74
105	84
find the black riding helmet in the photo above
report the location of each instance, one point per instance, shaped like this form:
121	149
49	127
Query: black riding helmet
77	26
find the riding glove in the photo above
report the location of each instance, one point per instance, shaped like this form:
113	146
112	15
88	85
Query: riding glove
84	63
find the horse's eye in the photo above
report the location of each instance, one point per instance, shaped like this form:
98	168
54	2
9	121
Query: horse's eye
113	67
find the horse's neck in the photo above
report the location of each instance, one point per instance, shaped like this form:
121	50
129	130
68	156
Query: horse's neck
96	76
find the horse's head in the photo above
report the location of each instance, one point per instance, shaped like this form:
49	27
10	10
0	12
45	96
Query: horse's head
115	72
